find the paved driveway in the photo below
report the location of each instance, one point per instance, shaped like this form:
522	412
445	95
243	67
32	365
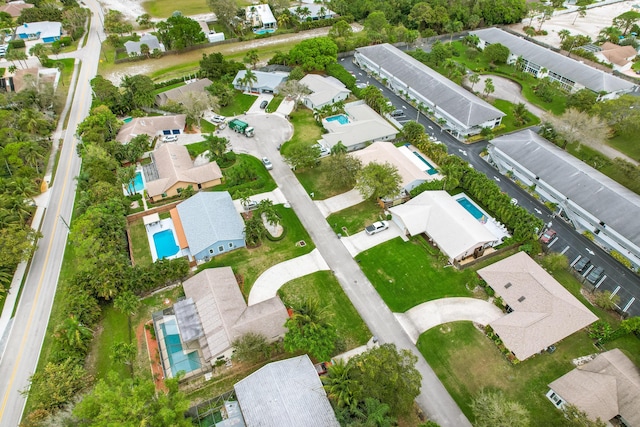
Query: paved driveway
339	202
433	313
271	280
275	196
271	130
361	241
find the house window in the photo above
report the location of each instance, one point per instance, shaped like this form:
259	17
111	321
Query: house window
556	399
231	244
220	248
210	251
199	186
164	195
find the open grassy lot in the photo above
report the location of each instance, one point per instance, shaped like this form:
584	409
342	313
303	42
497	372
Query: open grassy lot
406	274
323	287
509	121
466	361
356	217
626	144
164	8
264	182
112	329
250	263
316	180
140	243
306	130
66	67
241	102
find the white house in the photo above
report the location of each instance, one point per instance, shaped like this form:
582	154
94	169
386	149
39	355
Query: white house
260	16
46	31
266	82
324	91
312	12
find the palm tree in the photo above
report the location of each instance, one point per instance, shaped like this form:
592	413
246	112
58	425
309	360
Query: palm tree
473	79
582	12
265	207
252	58
33	155
564	33
145	50
249	79
338	148
611	34
73	333
340	387
127	303
376	414
284	19
489	88
254	230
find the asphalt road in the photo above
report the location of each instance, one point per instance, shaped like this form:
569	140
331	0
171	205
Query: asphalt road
617	279
32	315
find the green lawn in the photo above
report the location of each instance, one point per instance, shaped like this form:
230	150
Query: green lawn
316	180
165	8
263	183
406	274
166	88
114	328
206	126
355	218
250	263
196	148
626	144
140	243
467	362
241	102
323	287
306	130
508	121
275	103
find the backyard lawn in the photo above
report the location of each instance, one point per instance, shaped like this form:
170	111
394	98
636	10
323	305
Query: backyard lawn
196	148
140	243
114	328
165	8
240	103
306	130
626	144
250	263
466	361
356	218
323	287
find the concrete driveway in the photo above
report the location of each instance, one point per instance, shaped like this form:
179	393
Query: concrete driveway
339	202
433	313
255	107
362	241
271	130
275	196
271	280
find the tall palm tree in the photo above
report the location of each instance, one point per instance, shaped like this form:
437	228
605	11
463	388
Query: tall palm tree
340	387
249	79
33	155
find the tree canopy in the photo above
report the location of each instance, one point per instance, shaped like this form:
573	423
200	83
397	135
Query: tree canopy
377	180
314	54
492	409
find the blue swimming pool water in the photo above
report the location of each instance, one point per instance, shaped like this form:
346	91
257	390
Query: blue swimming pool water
136	185
340	118
178	360
471	208
165	244
127	119
264	31
431	170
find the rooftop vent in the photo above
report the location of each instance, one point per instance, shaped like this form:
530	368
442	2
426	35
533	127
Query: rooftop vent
520	299
508	285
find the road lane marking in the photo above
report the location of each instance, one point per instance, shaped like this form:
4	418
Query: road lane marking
565	251
626	307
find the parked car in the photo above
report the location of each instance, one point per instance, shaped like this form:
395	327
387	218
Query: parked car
595	274
324	151
267	163
218	119
264	104
361	85
170	138
250	205
581	264
548	236
397	113
376	227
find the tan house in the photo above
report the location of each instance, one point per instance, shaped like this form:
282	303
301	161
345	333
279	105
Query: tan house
621	57
15	8
540	310
171	170
178	93
608	387
152	126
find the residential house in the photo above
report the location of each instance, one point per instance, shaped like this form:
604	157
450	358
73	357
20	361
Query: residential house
540	310
446	223
585	197
211	34
266	82
358	127
607	387
570	73
324	91
171	170
31	77
286	393
312	12
260	16
15	8
46	31
208	224
153	126
621	57
177	94
134	48
461	112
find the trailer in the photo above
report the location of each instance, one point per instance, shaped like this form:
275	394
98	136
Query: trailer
241	127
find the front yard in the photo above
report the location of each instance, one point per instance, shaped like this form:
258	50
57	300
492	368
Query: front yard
355	218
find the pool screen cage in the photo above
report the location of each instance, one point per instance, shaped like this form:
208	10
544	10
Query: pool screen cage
221	411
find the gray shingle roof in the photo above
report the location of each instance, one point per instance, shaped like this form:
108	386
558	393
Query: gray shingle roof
287	393
210	217
176	94
148	39
458	102
578	72
605	199
266	80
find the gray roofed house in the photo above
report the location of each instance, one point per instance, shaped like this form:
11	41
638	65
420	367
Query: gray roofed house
286	393
133	48
586	197
465	113
540	310
177	94
324	91
267	81
224	315
211	224
570	73
606	387
153	126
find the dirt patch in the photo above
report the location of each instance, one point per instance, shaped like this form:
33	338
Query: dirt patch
149	346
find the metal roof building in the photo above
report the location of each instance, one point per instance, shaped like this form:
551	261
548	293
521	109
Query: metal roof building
588	198
571	74
287	393
465	113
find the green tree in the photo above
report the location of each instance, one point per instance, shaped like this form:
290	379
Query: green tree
251	348
377	180
17	241
254	230
249	79
609	34
225	11
340	29
496	53
492	409
622	114
314	54
626	20
582	100
74	334
342	170
144	21
216	145
582	12
138	91
399	385
133	402
375	26
338	148
302	156
125	353
340	388
489	88
605	300
412	132
56	384
520	113
178	32
309	330
294	90
251	57
576	126
39	51
574	417
127	303
473	79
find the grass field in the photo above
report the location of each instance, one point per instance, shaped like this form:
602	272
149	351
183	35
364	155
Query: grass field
355	218
626	144
275	103
262	184
167	88
114	328
250	263
467	362
140	243
508	121
241	102
316	180
196	149
323	287
306	130
165	8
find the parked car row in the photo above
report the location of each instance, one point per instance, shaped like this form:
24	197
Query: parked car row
594	275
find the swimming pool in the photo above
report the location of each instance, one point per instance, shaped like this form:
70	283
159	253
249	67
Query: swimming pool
262	31
165	244
178	360
136	185
340	118
431	170
127	119
471	208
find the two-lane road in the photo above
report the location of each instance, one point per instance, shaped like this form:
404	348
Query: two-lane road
32	316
